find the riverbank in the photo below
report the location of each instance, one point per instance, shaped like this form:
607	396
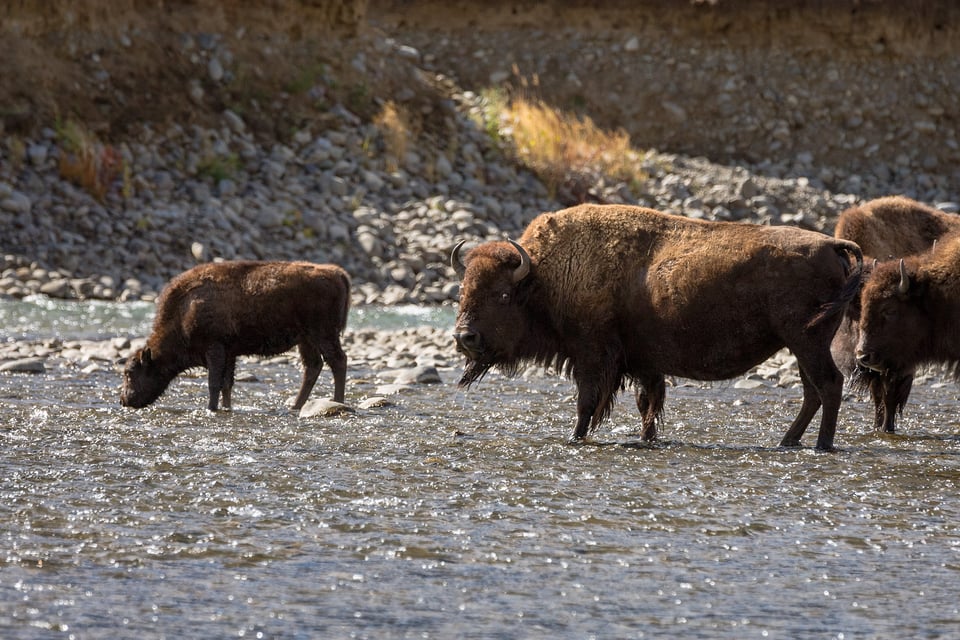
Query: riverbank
303	168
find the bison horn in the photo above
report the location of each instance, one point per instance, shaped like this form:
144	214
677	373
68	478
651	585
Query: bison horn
904	285
523	270
456	261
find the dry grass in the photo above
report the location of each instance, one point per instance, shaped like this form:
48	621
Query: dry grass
393	123
86	162
567	152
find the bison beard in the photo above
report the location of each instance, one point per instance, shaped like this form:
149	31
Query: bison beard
612	295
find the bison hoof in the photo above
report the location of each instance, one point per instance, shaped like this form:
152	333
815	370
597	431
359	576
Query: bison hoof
790	444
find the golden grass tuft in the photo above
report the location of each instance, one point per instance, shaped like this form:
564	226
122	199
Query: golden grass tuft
567	152
87	163
393	122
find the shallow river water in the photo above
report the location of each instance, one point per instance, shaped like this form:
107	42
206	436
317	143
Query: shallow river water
461	514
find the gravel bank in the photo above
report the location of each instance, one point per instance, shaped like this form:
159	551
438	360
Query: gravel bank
193	193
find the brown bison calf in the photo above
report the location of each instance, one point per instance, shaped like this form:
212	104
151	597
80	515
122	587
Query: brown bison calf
885	228
213	313
617	294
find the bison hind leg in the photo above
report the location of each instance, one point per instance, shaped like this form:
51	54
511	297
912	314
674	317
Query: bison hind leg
650	394
217	361
822	387
312	365
229	374
334	355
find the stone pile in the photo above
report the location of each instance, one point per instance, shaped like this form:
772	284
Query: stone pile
190	194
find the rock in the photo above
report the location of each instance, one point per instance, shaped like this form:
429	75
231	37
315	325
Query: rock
376	402
417	375
324	408
58	288
25	365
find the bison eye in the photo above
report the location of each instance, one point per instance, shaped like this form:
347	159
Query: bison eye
505	298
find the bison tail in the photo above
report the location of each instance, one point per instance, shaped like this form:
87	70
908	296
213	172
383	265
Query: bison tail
851	288
345	280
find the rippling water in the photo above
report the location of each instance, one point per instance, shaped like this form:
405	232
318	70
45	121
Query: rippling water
465	514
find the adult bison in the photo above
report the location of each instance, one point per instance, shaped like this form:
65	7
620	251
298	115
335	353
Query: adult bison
211	314
613	293
910	312
885	228
894	226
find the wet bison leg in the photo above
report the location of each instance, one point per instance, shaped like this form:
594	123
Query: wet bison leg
598	379
337	359
822	387
216	357
228	376
312	365
878	395
895	394
650	395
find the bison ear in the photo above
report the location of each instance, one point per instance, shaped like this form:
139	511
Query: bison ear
145	356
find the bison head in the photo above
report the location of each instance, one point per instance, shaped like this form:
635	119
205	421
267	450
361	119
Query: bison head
893	321
144	380
491	323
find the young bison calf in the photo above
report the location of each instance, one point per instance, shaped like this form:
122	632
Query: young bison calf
211	314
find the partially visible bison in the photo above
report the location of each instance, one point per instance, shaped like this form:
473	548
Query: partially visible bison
885	228
911	310
611	294
894	227
213	313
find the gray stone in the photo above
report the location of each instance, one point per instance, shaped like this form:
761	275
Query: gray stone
324	408
24	365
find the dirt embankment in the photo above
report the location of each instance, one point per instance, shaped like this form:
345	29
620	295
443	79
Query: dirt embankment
842	88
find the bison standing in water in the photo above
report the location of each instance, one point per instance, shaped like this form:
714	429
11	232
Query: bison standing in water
910	310
613	293
213	313
885	228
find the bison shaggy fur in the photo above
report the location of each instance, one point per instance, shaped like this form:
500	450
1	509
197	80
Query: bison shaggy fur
612	294
911	310
213	313
885	228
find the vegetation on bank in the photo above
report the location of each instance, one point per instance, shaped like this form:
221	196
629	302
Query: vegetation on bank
569	153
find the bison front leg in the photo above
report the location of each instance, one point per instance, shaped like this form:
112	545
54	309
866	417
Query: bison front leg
650	395
894	397
229	374
596	389
216	360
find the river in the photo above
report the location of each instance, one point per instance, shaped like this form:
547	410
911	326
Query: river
459	514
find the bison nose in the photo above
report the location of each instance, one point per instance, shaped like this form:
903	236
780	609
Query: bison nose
867	360
467	341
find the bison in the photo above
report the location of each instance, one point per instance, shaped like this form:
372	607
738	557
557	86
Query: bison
909	312
885	228
211	314
611	294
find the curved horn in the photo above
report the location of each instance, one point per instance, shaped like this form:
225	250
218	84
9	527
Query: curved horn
456	261
523	270
904	285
